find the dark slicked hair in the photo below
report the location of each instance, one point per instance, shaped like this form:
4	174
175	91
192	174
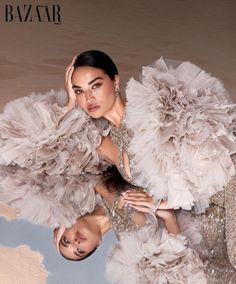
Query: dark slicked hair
115	182
82	258
97	59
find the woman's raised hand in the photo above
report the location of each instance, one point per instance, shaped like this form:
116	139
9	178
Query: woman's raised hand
139	200
68	85
143	202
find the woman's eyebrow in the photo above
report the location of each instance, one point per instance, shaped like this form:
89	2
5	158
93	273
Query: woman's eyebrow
80	255
91	82
75	253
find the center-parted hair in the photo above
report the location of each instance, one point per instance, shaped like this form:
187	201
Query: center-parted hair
97	59
82	258
115	184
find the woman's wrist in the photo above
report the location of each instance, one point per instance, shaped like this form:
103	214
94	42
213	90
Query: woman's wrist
155	205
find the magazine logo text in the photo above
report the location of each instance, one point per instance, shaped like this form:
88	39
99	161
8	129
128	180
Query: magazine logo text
33	14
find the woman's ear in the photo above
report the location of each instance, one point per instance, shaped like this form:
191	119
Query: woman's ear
58	232
100	242
55	232
117	81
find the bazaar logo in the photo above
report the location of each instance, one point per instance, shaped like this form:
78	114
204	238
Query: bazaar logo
33	13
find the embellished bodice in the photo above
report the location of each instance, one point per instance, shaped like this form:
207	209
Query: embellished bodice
219	234
121	219
217	224
122	137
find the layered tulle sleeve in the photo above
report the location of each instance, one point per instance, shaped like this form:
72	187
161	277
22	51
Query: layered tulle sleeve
151	255
48	200
183	125
48	158
37	134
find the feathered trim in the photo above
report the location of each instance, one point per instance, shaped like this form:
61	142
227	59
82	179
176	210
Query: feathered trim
183	133
37	134
151	255
49	200
48	158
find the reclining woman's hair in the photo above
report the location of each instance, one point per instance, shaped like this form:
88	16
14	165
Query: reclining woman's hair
115	182
82	258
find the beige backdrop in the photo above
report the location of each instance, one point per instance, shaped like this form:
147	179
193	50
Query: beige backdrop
33	56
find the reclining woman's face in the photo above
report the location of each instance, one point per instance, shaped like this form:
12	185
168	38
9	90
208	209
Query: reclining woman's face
78	241
95	90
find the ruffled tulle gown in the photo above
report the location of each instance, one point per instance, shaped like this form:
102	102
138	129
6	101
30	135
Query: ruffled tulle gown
178	133
48	160
217	226
178	136
146	253
49	167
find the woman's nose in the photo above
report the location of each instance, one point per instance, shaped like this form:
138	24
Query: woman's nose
89	95
76	241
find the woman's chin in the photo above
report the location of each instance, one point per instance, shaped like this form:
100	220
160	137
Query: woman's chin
95	115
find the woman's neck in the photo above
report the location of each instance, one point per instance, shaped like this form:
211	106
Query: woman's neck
115	115
99	219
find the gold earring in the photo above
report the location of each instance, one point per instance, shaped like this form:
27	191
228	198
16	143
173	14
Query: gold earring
117	92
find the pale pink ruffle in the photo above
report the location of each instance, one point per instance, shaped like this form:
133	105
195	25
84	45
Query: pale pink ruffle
47	200
36	134
49	164
183	133
152	256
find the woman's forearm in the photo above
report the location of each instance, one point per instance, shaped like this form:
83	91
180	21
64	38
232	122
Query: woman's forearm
170	221
172	227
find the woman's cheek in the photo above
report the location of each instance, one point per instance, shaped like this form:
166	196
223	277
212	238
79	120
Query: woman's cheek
81	103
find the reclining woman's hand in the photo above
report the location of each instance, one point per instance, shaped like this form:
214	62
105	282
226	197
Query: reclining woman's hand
143	202
68	85
139	200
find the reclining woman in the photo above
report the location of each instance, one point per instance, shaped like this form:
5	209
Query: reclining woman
174	137
54	157
160	242
49	168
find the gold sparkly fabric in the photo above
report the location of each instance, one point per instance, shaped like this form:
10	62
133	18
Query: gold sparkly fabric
219	234
121	219
121	137
230	222
218	223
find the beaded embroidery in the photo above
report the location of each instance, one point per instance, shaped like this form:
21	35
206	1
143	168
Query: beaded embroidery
121	219
218	223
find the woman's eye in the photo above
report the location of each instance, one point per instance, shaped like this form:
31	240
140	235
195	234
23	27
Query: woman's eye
78	92
65	240
97	85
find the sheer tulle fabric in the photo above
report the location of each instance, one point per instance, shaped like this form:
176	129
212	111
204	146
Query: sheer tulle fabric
183	129
151	255
48	158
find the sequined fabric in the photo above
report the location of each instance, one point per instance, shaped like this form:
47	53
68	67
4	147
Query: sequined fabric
122	136
218	222
218	230
121	219
218	267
